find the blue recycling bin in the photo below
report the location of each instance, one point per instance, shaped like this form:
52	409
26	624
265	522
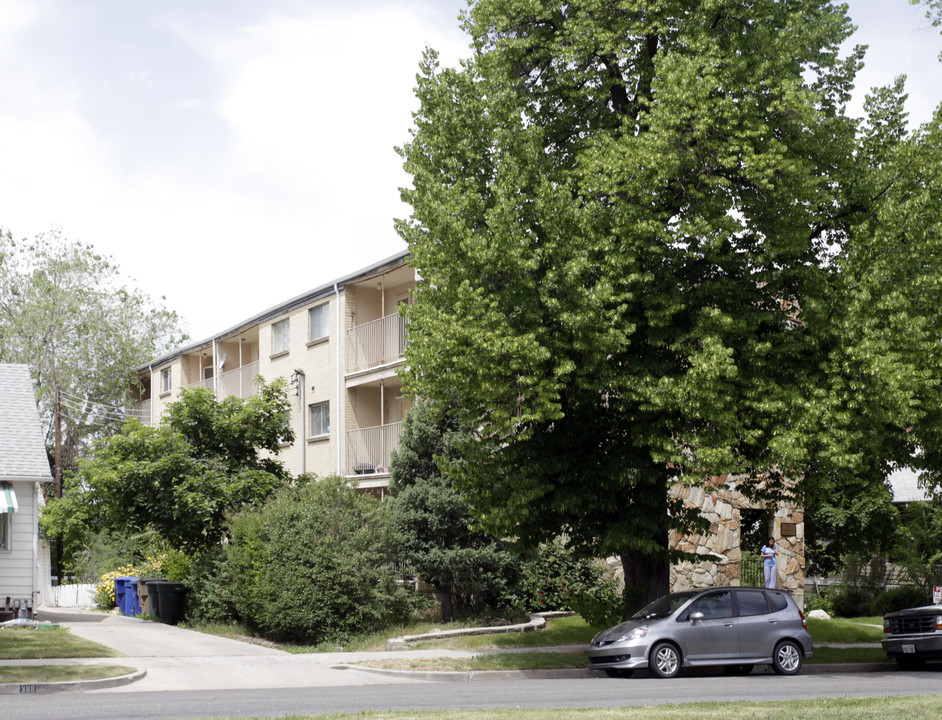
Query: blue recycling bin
132	605
120	592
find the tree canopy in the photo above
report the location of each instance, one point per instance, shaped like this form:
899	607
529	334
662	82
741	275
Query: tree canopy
636	225
182	478
66	312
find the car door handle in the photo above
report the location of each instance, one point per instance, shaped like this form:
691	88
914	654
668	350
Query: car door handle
773	621
729	624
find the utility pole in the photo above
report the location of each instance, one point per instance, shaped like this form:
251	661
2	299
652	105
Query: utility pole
58	478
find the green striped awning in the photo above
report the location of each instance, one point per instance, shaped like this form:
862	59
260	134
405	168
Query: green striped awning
7	498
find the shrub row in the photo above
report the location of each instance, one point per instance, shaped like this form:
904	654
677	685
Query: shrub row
849	601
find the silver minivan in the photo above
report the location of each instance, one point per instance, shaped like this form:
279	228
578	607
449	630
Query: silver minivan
734	627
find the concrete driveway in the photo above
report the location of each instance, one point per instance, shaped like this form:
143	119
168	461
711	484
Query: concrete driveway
175	658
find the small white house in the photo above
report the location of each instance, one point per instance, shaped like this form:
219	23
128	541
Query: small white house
24	465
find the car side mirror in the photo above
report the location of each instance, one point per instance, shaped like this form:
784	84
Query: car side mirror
696	617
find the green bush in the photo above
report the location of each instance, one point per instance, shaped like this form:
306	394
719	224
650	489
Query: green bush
819	602
547	577
851	602
898	599
312	566
599	604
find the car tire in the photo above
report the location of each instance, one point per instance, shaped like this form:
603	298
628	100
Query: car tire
664	660
787	658
910	663
737	669
619	673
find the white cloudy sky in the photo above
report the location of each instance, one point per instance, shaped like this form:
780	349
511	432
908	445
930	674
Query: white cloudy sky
230	154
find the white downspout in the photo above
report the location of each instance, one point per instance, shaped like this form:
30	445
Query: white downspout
340	404
301	380
36	596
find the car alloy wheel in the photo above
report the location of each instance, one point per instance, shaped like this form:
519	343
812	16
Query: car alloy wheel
664	660
786	660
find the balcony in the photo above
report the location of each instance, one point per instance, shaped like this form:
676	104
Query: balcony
376	343
369	450
139	410
239	382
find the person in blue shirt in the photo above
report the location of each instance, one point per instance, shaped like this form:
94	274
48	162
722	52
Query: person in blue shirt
769	565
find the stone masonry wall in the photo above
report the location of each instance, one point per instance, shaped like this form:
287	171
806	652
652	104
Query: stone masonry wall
722	505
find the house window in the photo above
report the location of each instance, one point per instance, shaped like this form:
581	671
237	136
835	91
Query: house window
319	418
4	531
279	337
165	380
318	321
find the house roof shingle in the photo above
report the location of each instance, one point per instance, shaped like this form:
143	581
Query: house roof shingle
22	448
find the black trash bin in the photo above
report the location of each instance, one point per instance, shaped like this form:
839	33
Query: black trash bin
149	596
153	596
171	602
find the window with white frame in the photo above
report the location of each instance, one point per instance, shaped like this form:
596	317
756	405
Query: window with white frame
319	416
166	378
279	337
318	320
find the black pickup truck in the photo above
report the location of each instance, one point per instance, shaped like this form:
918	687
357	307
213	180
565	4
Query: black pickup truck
913	636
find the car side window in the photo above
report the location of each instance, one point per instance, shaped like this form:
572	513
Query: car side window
752	603
714	605
777	600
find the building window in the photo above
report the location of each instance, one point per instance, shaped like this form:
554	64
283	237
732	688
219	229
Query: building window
4	531
279	337
165	380
318	319
319	418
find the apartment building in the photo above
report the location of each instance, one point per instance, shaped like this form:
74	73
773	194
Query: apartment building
339	346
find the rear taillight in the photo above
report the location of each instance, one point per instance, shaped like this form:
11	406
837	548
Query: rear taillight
804	623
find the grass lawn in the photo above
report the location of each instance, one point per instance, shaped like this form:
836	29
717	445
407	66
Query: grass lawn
509	661
571	630
29	644
844	630
923	707
27	674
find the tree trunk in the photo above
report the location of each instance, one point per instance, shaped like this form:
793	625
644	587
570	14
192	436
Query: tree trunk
448	604
646	578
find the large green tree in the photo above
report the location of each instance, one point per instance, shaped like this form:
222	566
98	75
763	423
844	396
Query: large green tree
626	217
66	312
182	478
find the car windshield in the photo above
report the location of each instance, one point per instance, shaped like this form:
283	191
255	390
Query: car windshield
664	606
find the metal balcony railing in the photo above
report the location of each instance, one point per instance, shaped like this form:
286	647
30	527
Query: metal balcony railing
369	450
140	410
206	384
376	343
239	382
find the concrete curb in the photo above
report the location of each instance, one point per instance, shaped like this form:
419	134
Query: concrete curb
537	622
569	674
72	685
